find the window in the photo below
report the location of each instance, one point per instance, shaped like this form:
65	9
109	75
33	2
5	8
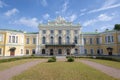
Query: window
84	40
109	39
91	51
85	50
76	51
68	32
43	51
0	51
1	37
44	31
21	51
9	39
16	39
27	41
75	40
91	41
76	31
43	40
59	31
34	40
118	38
51	31
51	40
13	39
59	40
33	51
27	51
68	40
59	51
98	40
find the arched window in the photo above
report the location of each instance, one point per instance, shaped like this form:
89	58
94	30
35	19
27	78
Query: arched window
51	40
43	51
27	51
68	40
43	40
75	40
59	40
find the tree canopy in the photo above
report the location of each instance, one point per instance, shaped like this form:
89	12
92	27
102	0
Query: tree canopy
117	27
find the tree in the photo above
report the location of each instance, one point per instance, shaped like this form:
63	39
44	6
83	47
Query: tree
117	27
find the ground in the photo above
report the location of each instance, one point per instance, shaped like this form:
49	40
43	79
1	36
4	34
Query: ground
39	69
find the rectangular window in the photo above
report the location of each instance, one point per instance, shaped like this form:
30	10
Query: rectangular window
1	37
60	31
91	42
52	31
44	31
76	31
92	51
9	39
27	51
27	41
13	39
21	51
16	39
0	51
34	40
98	40
68	32
84	40
118	38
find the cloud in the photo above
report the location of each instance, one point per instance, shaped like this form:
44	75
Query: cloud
104	17
64	8
30	22
101	17
46	16
44	3
2	4
106	27
108	4
11	12
73	17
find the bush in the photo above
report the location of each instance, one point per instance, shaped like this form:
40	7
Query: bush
70	59
52	59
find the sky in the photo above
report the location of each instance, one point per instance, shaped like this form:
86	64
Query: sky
25	15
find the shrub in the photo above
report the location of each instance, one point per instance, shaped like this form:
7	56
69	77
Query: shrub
52	59
70	59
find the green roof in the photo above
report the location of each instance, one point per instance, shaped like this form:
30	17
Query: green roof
11	30
85	33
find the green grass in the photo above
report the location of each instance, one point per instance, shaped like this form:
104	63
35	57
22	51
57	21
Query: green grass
7	65
113	64
62	71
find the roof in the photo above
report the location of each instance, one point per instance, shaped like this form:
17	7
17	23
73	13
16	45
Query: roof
11	30
92	33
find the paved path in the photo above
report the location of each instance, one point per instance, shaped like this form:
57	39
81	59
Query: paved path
105	69
9	73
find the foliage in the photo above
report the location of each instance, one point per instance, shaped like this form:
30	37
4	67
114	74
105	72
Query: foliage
70	59
52	59
117	27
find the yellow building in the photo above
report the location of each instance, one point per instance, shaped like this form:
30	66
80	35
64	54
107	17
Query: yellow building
59	37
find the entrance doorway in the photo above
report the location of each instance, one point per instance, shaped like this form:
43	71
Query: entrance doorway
68	51
51	51
12	51
59	51
43	51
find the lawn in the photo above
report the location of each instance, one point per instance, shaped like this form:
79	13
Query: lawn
7	65
113	64
62	71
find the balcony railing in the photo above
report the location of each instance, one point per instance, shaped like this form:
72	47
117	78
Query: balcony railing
60	44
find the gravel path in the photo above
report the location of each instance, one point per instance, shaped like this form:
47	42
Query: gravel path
105	69
9	73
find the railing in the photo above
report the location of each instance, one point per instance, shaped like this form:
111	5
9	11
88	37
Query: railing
60	43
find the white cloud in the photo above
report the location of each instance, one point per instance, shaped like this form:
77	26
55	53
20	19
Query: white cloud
46	16
44	3
104	17
108	4
101	17
2	4
65	6
106	27
30	22
11	12
73	17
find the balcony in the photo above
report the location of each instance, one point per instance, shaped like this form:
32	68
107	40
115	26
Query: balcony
60	44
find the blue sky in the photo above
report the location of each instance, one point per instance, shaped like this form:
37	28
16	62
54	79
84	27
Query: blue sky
27	14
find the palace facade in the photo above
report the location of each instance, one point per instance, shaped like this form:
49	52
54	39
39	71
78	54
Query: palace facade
59	37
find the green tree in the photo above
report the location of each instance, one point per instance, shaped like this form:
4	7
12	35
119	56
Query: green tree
117	27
